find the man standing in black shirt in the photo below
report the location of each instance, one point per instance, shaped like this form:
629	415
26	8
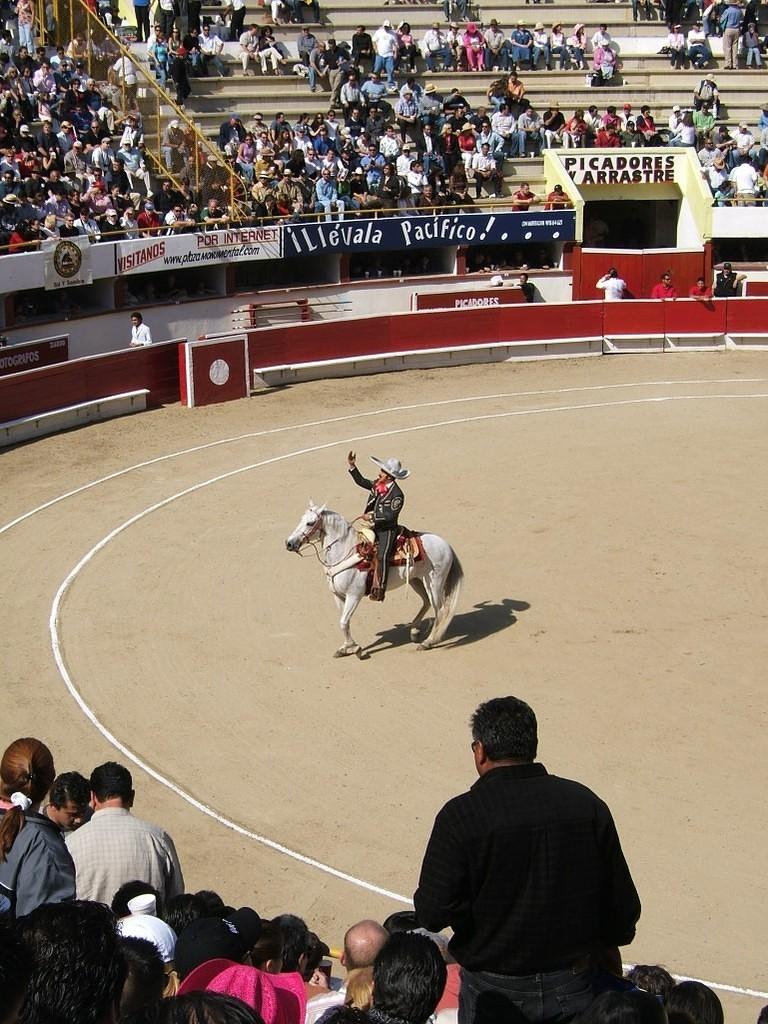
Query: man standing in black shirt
528	871
727	283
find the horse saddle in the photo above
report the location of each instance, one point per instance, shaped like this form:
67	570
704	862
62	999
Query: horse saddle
408	548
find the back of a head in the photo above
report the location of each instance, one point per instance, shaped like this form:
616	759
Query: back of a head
197	1008
112	780
316	950
696	1001
127	891
295	940
144	978
652	978
267	953
624	1008
78	968
506	727
362	943
26	768
401	921
183	909
408	978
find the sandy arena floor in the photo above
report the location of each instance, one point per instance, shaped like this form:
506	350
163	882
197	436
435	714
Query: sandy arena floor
610	516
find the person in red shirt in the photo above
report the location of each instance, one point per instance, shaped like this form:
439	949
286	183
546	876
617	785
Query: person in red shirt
148	220
557	199
664	288
608	137
700	291
523	198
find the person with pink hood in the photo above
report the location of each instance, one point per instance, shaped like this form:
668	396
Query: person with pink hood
474	47
209	958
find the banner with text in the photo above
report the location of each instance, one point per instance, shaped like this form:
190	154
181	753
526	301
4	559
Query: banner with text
30	355
206	248
67	263
430	232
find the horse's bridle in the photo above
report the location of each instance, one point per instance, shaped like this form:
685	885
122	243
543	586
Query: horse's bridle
311	531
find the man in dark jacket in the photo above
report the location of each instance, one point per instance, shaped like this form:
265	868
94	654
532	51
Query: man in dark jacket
528	871
382	509
727	283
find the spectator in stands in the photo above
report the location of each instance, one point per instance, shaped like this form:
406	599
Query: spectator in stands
35	867
707	92
385	46
15	971
541	47
249	48
577	45
509	924
114	846
199	1008
654	979
211	48
145	977
435	47
702	293
730	23
664	289
474	47
408	979
362	943
614	286
520	42
496	56
699	52
525	286
692	1001
752	46
677	48
727	283
485	171
362	47
68	802
77	968
327	199
631	1007
557	199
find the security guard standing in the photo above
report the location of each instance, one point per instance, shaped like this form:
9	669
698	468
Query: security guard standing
382	510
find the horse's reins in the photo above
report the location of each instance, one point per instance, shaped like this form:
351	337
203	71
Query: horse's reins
316	546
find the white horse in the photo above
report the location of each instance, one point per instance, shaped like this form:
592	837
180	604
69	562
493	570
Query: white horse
436	578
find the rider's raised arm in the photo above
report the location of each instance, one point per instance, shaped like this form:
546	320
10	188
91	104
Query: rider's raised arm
359	479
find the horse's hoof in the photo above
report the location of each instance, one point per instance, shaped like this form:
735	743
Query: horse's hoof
341	653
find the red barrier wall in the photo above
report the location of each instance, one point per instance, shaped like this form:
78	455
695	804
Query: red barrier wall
156	367
747	316
306	343
83	380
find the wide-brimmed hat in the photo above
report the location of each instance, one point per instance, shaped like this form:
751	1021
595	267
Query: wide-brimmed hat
12	200
430	88
392	467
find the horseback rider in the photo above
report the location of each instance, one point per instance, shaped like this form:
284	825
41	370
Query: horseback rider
382	509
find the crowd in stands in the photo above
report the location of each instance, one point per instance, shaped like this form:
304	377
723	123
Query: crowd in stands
72	156
96	927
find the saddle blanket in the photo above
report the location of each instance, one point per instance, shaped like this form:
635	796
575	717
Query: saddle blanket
408	547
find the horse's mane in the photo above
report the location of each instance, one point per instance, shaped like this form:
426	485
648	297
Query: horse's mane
336	518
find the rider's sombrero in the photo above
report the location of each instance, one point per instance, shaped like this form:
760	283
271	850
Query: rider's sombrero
391	467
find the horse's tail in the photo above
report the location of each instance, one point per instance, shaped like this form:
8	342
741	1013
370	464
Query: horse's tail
445	612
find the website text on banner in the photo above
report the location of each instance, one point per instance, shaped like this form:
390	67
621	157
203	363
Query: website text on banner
170	252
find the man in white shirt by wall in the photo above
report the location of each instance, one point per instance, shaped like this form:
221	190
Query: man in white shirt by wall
140	333
613	286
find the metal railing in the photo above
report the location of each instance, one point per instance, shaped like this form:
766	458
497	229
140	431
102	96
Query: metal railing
175	146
